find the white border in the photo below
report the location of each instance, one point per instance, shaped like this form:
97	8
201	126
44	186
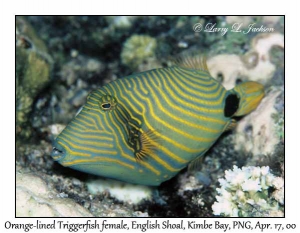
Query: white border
7	71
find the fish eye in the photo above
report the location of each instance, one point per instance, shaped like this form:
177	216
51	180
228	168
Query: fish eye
106	106
107	102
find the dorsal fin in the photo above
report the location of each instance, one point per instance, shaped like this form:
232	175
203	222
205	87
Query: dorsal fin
196	62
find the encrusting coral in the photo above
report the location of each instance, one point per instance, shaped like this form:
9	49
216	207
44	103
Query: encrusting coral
255	65
33	67
262	137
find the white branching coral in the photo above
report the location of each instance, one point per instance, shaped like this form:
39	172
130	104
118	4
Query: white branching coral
246	193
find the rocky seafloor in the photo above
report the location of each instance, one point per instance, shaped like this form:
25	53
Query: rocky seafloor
60	59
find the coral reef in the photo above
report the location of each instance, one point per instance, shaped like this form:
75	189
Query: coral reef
43	195
35	199
255	65
121	22
246	193
138	49
33	67
246	20
131	193
256	132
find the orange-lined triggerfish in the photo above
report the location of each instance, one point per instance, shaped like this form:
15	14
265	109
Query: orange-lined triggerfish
146	127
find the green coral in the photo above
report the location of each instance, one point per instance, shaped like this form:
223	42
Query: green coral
279	124
33	66
277	56
137	49
278	117
231	42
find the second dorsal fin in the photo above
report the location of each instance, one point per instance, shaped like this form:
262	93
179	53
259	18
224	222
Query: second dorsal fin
196	62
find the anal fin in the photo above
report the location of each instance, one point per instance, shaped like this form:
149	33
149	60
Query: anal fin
231	125
196	163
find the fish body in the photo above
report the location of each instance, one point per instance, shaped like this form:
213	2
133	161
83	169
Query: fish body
146	127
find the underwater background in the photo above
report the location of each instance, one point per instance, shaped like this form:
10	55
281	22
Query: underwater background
60	59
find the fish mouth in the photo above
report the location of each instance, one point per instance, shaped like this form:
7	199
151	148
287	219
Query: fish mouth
58	152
